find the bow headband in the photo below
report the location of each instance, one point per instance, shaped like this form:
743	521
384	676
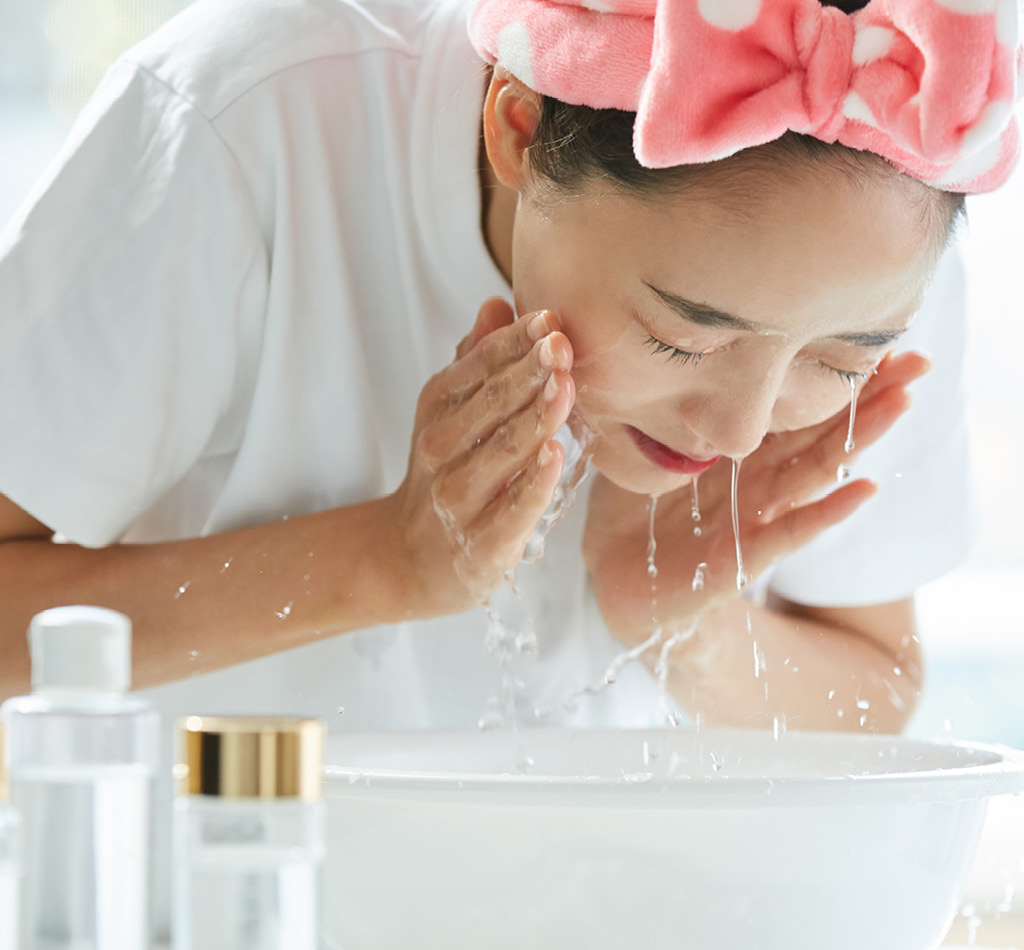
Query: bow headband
929	85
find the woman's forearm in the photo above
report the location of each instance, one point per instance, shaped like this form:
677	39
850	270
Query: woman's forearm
748	665
201	604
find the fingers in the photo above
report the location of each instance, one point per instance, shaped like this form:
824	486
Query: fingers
816	467
799	526
500	532
501	376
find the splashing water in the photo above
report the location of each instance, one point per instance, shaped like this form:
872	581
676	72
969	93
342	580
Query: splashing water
577	469
698	577
695	510
741	578
611	674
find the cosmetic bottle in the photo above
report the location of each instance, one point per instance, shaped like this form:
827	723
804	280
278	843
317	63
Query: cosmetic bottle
249	834
10	860
82	757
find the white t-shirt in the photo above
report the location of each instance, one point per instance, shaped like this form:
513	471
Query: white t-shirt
221	303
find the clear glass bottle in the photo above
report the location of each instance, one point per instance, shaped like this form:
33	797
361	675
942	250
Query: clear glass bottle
10	860
83	759
249	834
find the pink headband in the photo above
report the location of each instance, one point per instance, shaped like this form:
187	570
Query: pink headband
929	85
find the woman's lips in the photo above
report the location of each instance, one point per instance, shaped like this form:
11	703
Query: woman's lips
666	458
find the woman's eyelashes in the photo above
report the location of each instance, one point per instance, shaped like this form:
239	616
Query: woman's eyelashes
672	353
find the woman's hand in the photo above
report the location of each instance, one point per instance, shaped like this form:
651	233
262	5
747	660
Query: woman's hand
483	466
779	505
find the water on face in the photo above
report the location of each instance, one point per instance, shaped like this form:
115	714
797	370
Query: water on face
695	510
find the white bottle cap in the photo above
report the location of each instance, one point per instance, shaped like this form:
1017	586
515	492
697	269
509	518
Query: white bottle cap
81	648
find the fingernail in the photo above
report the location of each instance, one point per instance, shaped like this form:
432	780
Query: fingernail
551	389
546	355
537	328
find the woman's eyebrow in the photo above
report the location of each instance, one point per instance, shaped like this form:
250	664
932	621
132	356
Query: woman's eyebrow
875	338
702	314
706	316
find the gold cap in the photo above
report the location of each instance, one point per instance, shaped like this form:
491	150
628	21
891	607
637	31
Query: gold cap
252	757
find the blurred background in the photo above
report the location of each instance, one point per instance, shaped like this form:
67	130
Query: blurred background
54	52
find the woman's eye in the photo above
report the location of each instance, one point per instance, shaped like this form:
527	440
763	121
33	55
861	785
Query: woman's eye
673	353
849	376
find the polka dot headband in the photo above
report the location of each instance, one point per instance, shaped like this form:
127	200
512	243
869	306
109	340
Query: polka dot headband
930	85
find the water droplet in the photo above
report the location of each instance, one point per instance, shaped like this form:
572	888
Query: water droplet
831	694
717	762
863	720
698	576
227	564
181	590
341	710
863	704
652	570
760	663
839	713
490	721
697	532
285	610
193	655
842	473
897	671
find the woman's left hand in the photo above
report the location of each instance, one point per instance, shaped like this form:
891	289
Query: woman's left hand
779	505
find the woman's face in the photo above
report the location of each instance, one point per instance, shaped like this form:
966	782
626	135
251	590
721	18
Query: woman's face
698	328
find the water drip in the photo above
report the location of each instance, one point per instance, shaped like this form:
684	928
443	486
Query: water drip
698	577
850	444
695	510
652	544
741	578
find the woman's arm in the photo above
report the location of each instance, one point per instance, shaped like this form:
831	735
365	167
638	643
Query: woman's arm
854	668
482	470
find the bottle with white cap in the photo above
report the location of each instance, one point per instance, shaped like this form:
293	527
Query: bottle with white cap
10	860
249	835
83	758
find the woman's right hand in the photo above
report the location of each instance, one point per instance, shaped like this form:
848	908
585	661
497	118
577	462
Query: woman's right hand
483	466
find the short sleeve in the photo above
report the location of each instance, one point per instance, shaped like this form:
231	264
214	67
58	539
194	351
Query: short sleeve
124	282
921	522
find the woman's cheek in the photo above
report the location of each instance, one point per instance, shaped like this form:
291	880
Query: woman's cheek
801	413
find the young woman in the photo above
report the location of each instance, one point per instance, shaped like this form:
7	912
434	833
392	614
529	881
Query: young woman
232	303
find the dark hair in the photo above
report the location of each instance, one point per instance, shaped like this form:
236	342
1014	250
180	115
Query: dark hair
575	145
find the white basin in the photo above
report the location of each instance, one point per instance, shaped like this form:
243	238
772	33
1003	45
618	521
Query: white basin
718	840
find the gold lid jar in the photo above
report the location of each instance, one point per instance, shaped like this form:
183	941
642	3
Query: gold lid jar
260	757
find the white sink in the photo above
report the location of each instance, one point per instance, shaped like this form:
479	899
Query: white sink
553	840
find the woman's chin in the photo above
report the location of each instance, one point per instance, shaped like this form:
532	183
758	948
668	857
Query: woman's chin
636	475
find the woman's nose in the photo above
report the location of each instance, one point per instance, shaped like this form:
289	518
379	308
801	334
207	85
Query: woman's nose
736	413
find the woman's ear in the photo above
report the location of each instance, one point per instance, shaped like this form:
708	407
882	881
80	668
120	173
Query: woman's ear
511	114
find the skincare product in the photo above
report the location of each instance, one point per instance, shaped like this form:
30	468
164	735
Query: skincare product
249	834
10	860
82	759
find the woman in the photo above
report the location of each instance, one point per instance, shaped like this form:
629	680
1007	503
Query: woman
269	227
